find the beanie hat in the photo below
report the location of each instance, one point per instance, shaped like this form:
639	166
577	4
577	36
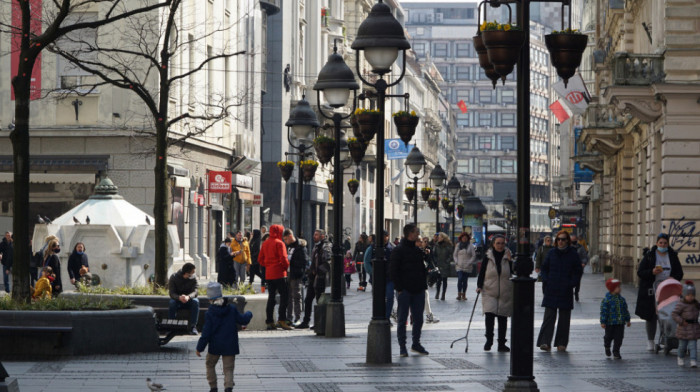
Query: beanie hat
688	288
214	290
611	284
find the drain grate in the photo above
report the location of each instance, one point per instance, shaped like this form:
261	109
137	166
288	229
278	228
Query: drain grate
456	363
371	365
320	387
45	367
616	385
413	387
300	366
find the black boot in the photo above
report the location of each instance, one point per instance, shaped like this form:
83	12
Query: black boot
502	348
489	321
437	289
444	289
489	342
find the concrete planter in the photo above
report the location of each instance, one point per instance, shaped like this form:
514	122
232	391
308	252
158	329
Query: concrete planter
77	332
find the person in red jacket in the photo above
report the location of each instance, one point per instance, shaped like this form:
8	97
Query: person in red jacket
273	256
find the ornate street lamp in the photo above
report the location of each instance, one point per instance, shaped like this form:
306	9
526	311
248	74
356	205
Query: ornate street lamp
453	190
473	207
302	122
509	209
438	177
416	163
380	37
336	80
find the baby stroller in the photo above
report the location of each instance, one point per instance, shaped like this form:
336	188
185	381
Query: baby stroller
667	295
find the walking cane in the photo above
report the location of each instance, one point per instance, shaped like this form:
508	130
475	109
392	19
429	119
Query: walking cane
466	350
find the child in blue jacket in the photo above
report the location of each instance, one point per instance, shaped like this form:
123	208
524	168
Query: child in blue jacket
613	317
221	334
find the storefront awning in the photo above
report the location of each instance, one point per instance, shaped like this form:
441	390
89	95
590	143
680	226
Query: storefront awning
244	194
53	178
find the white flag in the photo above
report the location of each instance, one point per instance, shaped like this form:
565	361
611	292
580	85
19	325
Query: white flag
575	95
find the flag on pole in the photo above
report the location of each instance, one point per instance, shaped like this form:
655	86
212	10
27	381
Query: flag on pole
462	106
575	96
559	111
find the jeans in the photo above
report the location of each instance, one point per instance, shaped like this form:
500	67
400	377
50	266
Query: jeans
462	277
690	345
442	282
294	307
240	271
229	362
361	273
273	286
192	305
614	334
547	329
415	303
389	298
6	279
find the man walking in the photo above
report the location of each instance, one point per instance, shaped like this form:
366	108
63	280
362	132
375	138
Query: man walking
6	256
182	288
583	255
320	267
273	256
298	257
409	277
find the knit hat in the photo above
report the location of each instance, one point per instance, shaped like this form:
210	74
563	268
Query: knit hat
611	284
688	288
214	290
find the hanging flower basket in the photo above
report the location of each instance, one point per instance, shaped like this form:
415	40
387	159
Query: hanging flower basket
355	127
503	43
406	124
286	169
357	149
353	185
460	210
368	122
445	202
308	169
432	203
325	147
410	193
484	61
425	193
566	49
329	183
450	208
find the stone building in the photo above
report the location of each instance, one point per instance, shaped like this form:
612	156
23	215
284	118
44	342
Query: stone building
641	131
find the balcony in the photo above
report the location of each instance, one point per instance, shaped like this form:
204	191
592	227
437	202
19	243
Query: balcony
603	116
637	69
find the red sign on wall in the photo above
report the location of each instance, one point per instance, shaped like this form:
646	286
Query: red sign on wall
220	182
35	28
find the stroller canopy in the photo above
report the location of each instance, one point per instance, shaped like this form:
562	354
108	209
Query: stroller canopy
669	288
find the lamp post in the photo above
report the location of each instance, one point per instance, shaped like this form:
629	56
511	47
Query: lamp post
453	189
438	177
509	208
336	80
302	122
380	37
415	162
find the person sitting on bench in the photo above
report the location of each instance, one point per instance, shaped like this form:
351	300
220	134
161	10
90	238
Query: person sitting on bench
182	286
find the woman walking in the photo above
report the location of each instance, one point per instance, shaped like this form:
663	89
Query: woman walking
465	257
660	263
497	291
561	271
442	254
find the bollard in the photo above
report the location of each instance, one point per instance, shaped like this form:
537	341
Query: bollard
320	314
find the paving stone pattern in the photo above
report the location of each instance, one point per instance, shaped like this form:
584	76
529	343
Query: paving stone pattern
300	361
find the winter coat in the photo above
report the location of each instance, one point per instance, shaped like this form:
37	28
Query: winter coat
464	258
244	256
254	246
221	329
7	252
541	253
496	287
442	254
42	289
369	259
407	269
224	263
613	310
298	259
646	303
178	285
561	271
321	257
273	255
359	253
348	266
75	262
55	263
687	312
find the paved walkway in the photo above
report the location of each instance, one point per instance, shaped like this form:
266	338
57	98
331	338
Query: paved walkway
300	361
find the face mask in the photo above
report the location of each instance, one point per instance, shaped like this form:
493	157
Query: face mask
57	250
662	250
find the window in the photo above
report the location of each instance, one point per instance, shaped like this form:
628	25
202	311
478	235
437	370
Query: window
485	119
79	44
465	166
419	48
507	95
440	49
464	50
484	166
470	13
485	96
507	166
507	119
463	95
463	120
485	142
444	71
464	72
507	142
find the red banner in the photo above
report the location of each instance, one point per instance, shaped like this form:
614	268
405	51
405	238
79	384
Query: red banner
559	111
462	106
35	28
219	182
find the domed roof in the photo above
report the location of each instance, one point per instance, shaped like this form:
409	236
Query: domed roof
105	207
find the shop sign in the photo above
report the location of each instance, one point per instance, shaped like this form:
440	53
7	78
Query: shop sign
219	181
257	200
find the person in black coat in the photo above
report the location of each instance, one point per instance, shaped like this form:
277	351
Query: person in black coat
660	263
298	262
51	260
408	274
77	260
255	268
6	256
224	264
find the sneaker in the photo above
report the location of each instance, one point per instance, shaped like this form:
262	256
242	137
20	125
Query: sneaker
429	318
271	327
617	355
417	348
193	331
302	325
607	352
693	364
561	348
394	316
228	390
650	345
545	347
681	362
403	352
502	348
284	325
214	390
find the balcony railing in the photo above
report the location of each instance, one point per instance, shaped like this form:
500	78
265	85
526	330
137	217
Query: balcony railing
603	116
637	69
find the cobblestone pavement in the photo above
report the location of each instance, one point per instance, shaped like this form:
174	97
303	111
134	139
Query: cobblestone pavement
300	361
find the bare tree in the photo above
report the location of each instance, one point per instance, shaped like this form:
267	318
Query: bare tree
37	26
141	60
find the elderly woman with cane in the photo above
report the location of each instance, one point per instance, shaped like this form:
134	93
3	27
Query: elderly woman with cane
497	291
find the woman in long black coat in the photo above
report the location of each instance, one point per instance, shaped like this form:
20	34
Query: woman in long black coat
660	263
76	261
224	264
51	260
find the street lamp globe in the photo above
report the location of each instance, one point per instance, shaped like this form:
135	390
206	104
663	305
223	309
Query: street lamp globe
302	120
438	176
381	37
415	161
344	149
336	80
454	187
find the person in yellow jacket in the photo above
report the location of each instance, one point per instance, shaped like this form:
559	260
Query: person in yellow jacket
240	250
42	289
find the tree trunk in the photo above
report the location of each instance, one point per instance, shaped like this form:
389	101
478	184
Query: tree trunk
160	206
